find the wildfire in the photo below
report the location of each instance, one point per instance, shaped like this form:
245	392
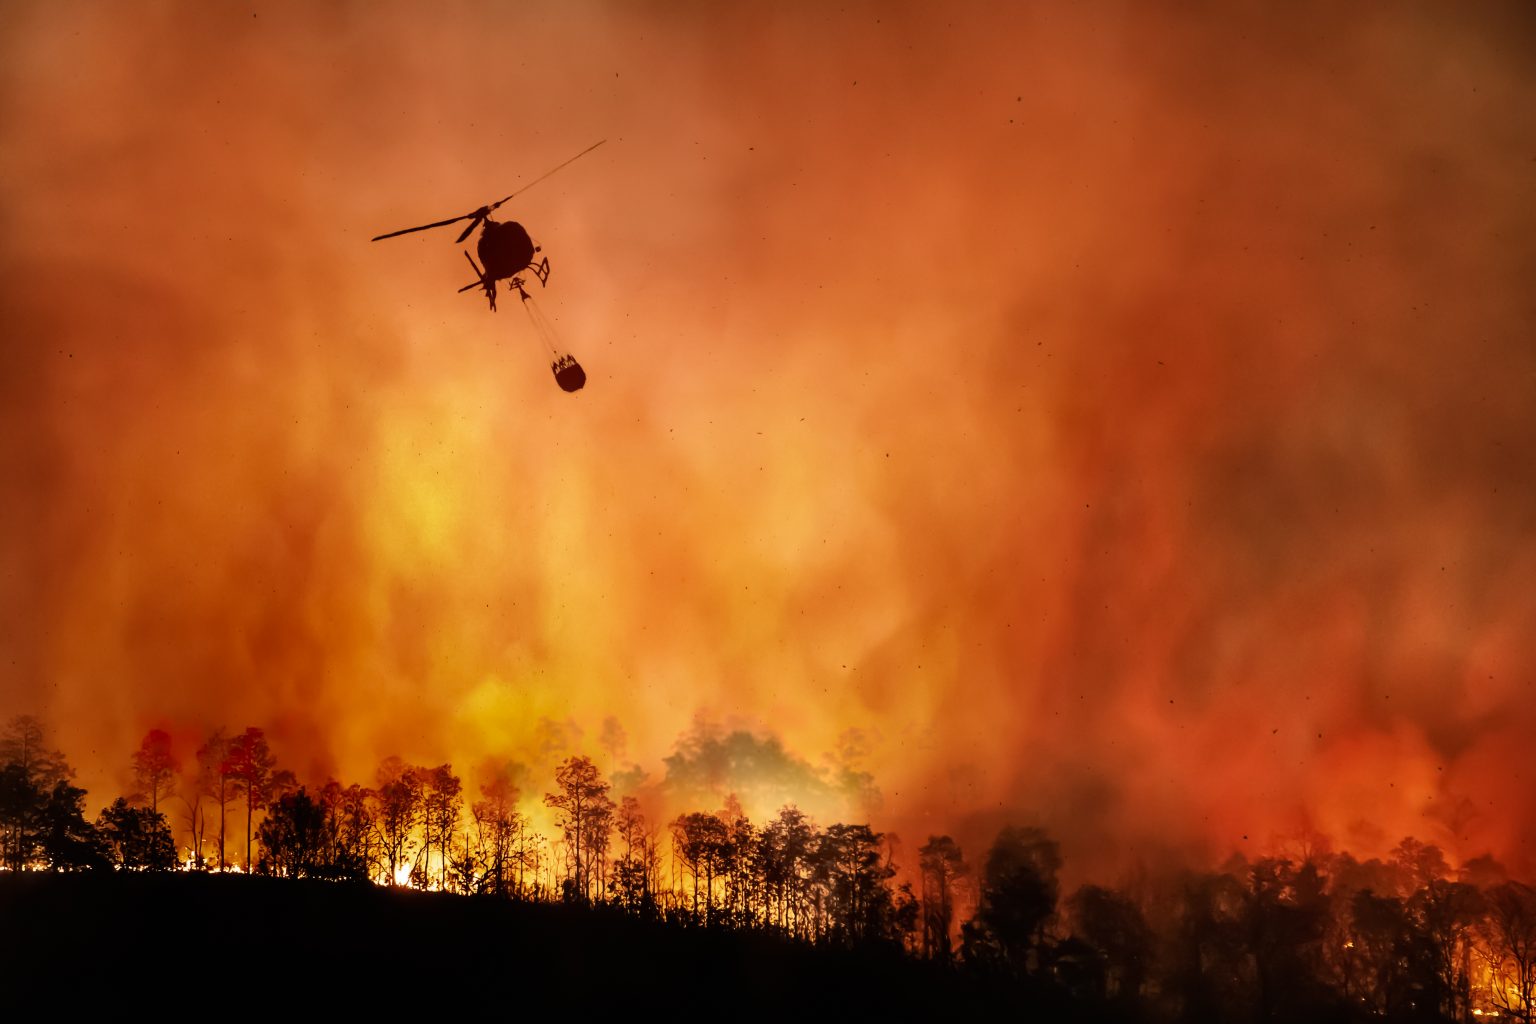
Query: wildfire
1167	484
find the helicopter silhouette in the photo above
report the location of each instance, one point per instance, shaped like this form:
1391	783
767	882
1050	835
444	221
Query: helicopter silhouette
506	252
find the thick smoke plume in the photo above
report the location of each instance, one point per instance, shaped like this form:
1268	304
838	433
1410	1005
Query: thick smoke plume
1119	418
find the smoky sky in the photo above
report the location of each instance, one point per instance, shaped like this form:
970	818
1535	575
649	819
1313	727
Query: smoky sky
1113	417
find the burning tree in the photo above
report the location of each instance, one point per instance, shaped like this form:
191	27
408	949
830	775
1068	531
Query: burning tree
1508	947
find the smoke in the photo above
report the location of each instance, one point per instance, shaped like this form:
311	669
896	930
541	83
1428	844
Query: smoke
1121	418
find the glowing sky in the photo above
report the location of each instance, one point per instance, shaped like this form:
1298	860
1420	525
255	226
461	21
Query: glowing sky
1108	416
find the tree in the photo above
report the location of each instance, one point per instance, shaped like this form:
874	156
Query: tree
296	837
137	838
1111	923
399	809
631	882
21	801
1286	916
350	828
701	839
1509	948
785	848
248	765
30	774
154	767
585	810
213	781
498	826
742	861
1445	914
1380	955
69	842
942	866
635	874
1018	893
24	743
440	804
859	907
1207	959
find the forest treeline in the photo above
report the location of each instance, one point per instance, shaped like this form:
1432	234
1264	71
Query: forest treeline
1316	935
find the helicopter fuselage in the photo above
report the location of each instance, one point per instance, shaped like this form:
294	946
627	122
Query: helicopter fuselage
505	249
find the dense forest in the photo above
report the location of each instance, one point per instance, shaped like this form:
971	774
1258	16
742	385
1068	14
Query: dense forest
1313	935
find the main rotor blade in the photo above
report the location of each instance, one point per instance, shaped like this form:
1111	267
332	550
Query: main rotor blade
478	215
436	224
547	173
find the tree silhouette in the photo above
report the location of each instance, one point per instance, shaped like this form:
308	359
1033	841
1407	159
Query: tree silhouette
702	840
296	837
1380	953
21	802
1209	976
1286	916
633	877
1327	937
1113	924
785	850
137	838
69	842
399	809
492	817
942	867
154	767
585	817
350	826
743	864
859	906
1445	914
1509	949
213	781
1018	896
248	765
440	804
24	743
30	776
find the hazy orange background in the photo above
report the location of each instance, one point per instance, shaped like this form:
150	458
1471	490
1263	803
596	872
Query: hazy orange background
1121	418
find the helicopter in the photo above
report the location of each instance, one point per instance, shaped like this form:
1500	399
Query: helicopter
506	252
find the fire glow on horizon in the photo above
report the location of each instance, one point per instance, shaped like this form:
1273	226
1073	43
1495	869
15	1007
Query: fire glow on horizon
1106	418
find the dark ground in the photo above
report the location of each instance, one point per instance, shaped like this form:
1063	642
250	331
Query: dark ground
282	949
